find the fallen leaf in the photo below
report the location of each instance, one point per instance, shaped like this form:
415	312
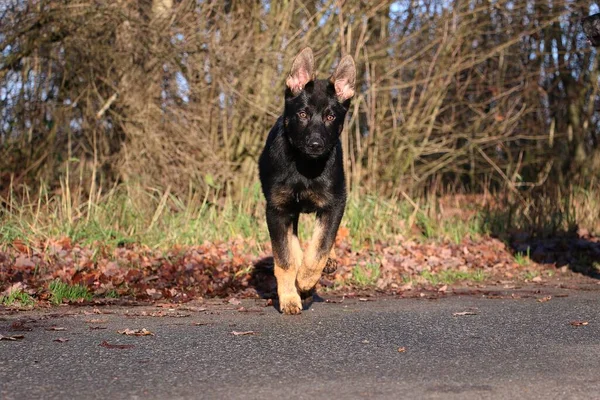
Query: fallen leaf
544	299
56	328
201	323
96	321
234	301
537	279
237	333
194	309
12	338
168	305
443	289
116	346
401	349
93	328
60	340
461	313
136	332
365	341
19	326
579	323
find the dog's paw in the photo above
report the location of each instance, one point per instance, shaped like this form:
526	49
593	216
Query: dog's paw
331	266
290	305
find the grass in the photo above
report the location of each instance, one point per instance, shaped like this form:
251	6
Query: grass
529	275
449	277
60	291
17	298
365	275
523	259
160	219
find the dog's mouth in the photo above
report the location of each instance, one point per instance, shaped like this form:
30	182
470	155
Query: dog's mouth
314	153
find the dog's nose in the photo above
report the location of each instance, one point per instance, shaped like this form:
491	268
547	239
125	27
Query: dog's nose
315	144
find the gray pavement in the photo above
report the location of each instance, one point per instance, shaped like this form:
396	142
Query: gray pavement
513	348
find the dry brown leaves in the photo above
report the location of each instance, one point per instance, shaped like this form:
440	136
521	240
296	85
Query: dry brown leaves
579	323
226	269
136	332
116	346
463	313
243	333
12	338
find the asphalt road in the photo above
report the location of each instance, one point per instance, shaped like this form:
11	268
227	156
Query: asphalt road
517	348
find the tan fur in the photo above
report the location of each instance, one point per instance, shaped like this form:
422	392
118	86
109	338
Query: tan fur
289	299
281	196
317	199
313	263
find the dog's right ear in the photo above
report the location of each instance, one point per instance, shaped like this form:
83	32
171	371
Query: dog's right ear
302	71
591	28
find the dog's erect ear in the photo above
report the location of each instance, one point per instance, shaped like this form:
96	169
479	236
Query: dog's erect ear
343	78
302	71
591	28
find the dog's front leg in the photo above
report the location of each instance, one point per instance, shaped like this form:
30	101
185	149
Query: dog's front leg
287	254
319	248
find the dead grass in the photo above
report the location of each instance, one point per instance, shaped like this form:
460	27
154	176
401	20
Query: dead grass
162	219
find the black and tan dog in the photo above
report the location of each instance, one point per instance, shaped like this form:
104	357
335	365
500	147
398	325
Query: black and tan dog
301	171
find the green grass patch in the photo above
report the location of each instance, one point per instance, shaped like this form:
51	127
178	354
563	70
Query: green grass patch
17	298
160	219
449	277
523	259
366	275
60	291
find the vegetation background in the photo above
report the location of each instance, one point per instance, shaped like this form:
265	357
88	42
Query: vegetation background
142	121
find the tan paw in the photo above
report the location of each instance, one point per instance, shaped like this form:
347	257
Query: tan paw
290	305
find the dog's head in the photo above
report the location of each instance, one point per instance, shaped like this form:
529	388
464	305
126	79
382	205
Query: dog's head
315	109
591	28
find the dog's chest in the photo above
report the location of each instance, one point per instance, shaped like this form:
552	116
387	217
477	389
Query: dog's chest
301	196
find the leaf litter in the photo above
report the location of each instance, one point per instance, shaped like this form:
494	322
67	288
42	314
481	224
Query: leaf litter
579	323
12	338
116	346
463	313
224	269
136	332
243	333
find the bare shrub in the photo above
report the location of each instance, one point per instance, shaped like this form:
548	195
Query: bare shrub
166	94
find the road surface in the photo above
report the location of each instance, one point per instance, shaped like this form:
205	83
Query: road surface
517	344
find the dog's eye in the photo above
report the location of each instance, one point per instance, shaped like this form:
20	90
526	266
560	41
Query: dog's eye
302	114
330	117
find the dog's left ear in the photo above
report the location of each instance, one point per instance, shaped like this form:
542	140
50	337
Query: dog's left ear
343	78
302	71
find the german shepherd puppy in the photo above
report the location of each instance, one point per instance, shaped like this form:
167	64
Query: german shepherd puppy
591	28
301	171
